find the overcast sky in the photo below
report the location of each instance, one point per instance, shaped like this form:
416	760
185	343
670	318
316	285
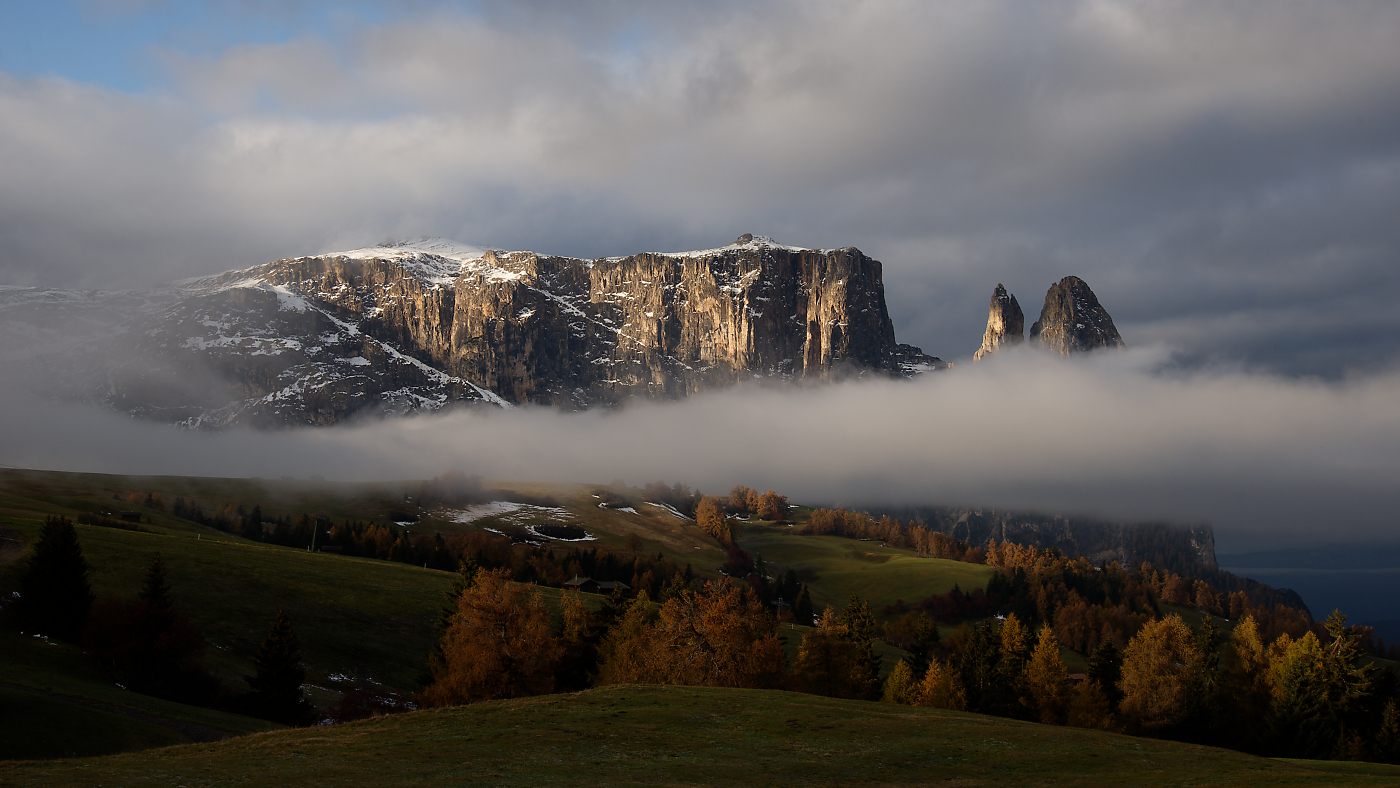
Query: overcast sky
1226	176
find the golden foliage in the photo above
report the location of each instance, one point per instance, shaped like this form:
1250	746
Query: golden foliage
1090	708
709	515
1045	677
497	645
719	636
1157	666
899	685
940	689
831	661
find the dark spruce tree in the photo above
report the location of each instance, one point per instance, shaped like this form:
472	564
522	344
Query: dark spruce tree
276	688
155	592
55	595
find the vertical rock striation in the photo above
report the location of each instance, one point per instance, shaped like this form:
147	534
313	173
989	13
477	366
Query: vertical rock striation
1005	324
1073	321
427	325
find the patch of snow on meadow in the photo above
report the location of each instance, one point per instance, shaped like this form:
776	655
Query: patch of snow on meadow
510	512
668	507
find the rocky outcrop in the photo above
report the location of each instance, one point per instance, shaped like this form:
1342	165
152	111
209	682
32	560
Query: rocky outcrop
567	331
1073	321
429	325
1005	324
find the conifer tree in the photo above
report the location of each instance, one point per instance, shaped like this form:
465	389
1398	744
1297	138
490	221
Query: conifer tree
940	689
1045	677
925	638
860	630
155	592
899	685
276	687
55	595
1089	707
1388	737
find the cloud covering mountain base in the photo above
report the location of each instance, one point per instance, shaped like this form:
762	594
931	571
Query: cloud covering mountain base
1268	461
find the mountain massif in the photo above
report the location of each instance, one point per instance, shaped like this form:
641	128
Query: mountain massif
428	325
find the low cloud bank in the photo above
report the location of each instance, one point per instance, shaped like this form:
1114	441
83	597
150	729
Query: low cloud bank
1269	461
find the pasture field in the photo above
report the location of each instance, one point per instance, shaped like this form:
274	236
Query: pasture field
354	617
690	736
835	568
58	703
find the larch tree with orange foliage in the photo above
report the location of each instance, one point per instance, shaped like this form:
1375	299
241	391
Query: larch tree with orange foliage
719	636
497	645
1158	666
1045	677
709	515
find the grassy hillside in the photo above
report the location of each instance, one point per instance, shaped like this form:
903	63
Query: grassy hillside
690	736
58	703
835	567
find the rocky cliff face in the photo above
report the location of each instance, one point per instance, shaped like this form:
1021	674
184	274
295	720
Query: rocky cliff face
1073	321
429	325
1005	324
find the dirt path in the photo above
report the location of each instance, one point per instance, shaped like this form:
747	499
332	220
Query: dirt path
192	731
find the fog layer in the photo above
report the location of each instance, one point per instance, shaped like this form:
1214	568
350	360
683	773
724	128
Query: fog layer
1268	461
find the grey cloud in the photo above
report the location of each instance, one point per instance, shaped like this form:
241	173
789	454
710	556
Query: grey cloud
1268	461
1192	161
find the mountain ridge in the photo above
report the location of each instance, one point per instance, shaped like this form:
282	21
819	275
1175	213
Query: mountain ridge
430	324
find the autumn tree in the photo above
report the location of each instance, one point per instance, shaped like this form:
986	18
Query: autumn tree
1089	707
55	595
1158	665
1245	687
498	645
578	644
831	662
719	636
940	688
772	506
900	685
276	685
738	499
709	515
625	657
1314	686
1045	677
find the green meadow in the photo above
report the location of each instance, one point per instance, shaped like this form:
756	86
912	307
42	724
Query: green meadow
689	736
835	568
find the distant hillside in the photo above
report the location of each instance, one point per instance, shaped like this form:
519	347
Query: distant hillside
1182	549
1186	550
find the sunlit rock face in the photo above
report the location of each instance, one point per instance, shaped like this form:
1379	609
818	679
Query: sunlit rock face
1073	321
428	325
1005	324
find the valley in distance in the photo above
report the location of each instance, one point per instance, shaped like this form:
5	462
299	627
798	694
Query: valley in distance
164	630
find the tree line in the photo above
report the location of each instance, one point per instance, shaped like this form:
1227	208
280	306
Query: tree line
147	643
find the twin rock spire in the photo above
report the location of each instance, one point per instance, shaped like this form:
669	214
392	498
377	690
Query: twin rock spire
1071	321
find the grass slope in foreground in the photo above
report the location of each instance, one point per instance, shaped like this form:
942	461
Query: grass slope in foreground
689	736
